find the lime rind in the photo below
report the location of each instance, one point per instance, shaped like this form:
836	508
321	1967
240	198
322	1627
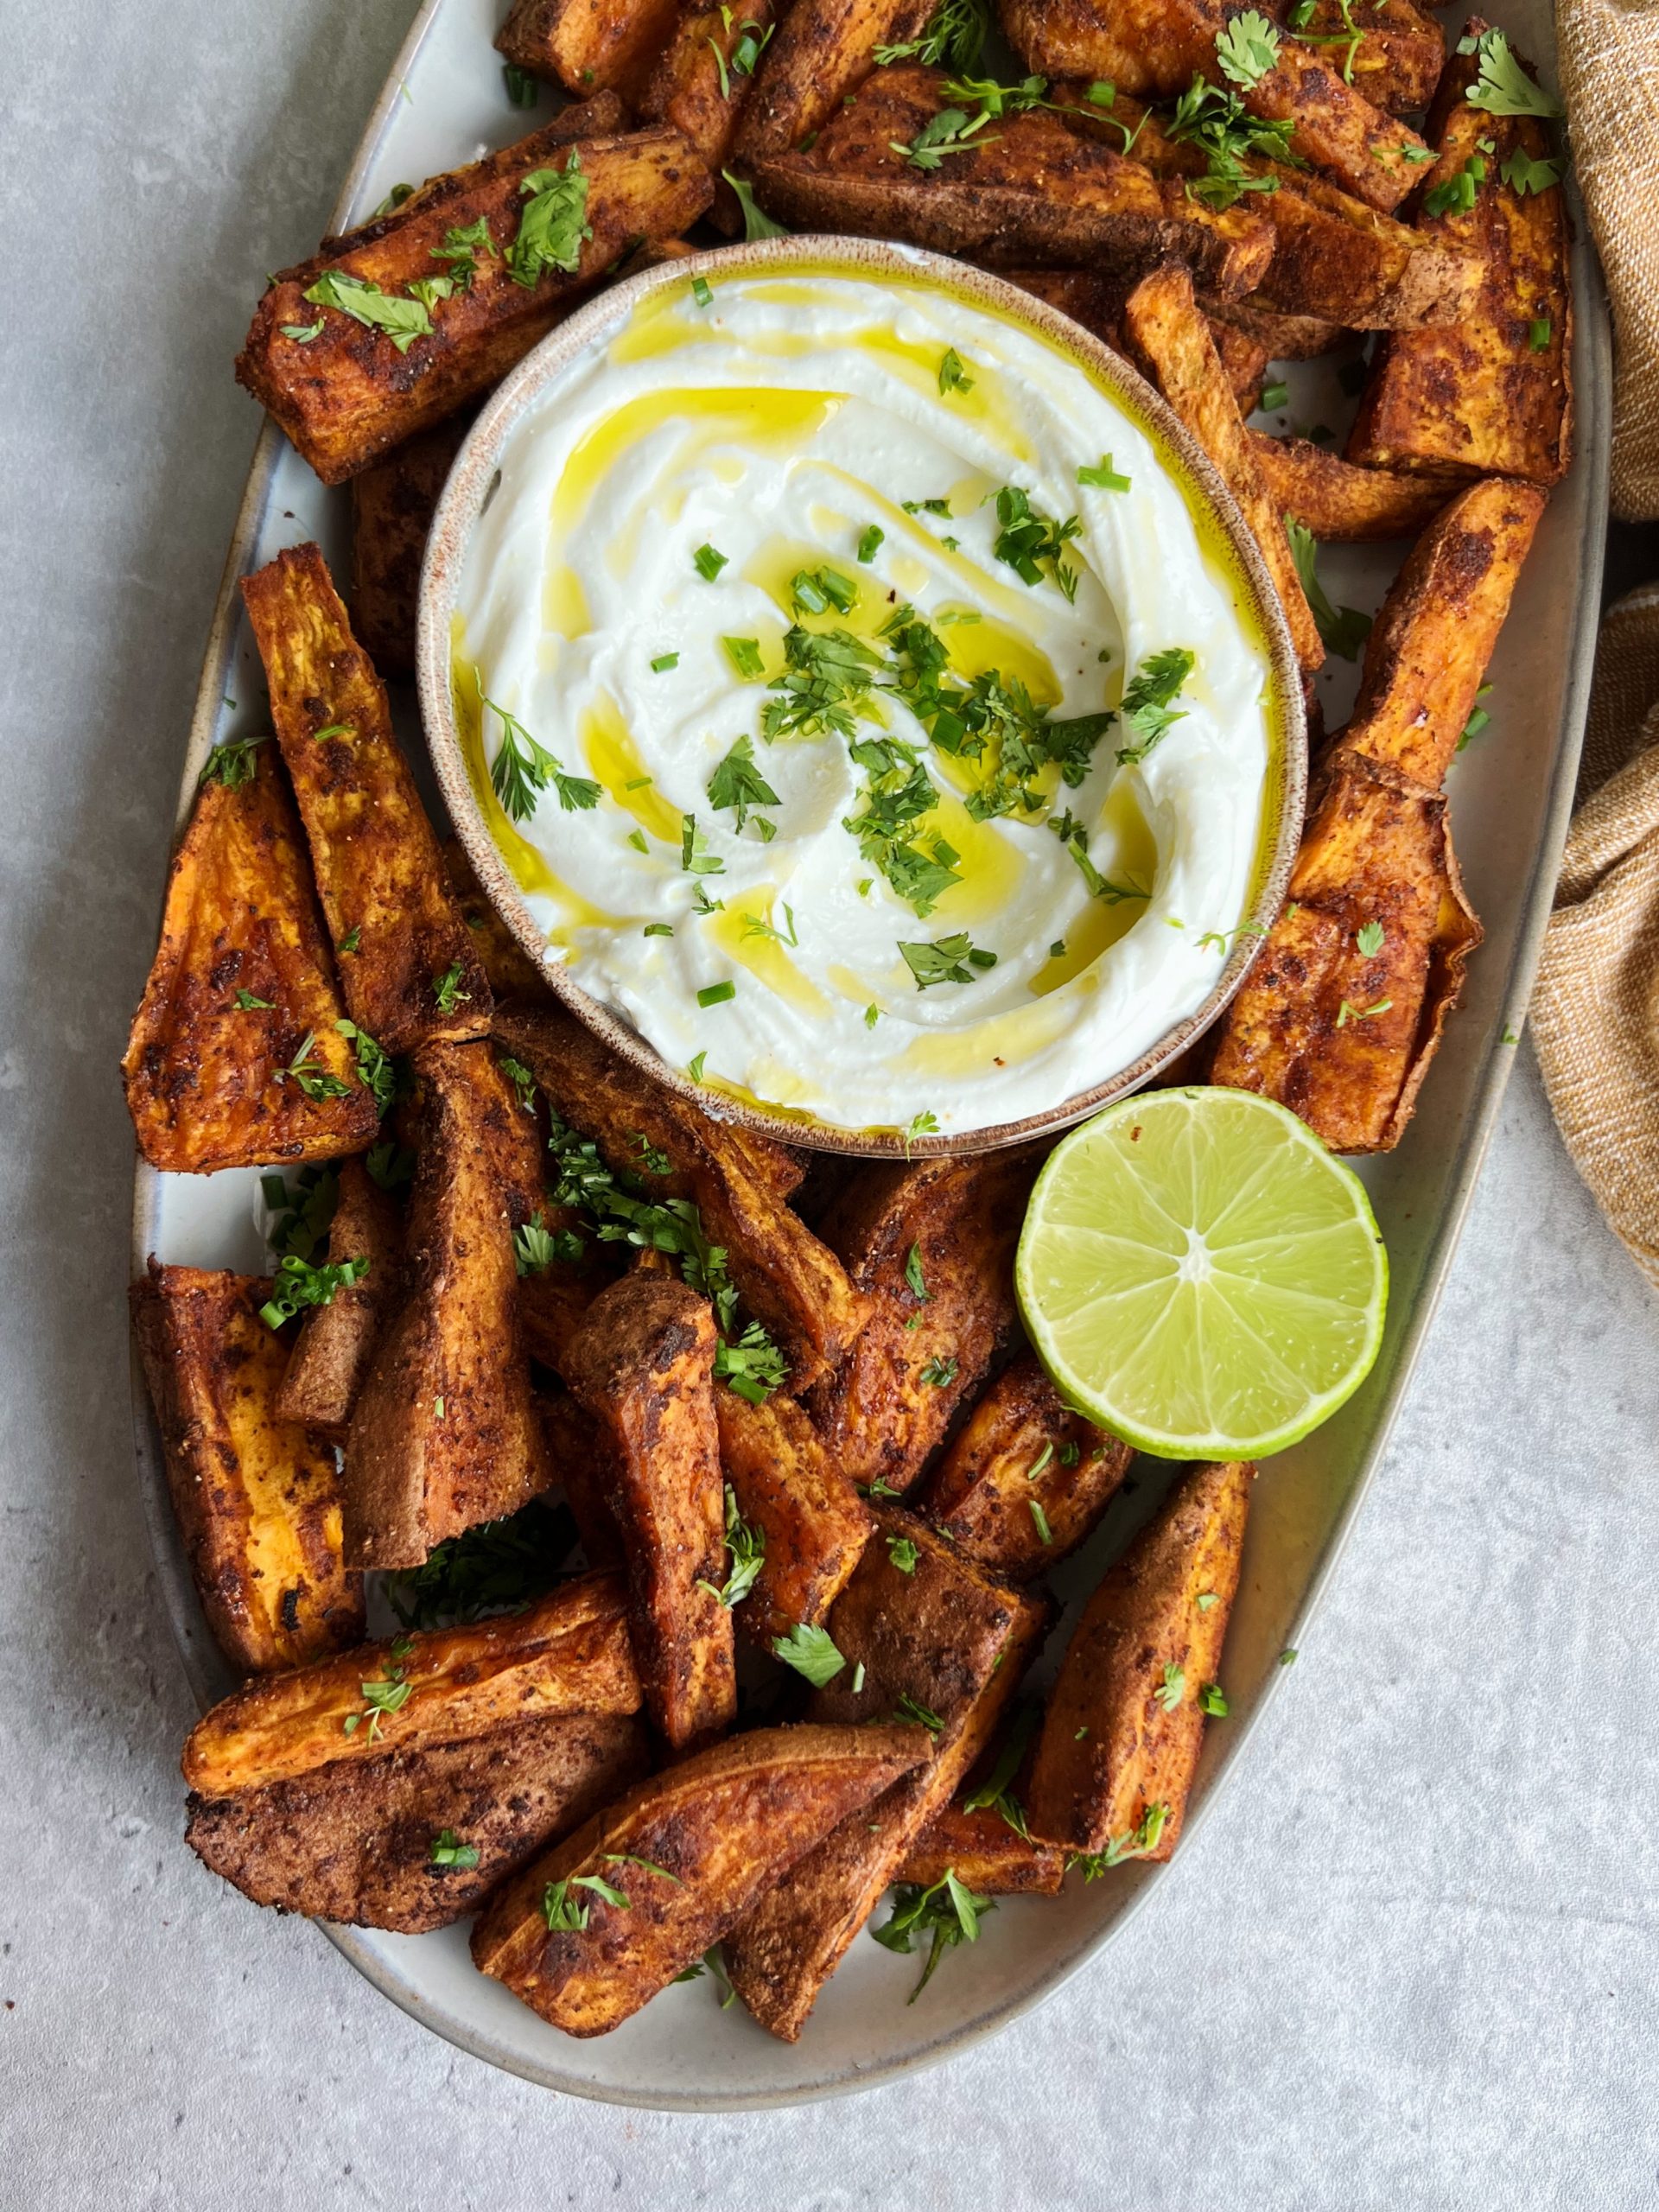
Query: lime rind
1285	1318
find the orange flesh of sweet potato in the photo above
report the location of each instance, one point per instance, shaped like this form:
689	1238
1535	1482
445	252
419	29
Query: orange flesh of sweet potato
642	1369
1112	1745
812	1520
576	1453
587	45
822	52
1339	503
1485	398
257	1499
1397	63
1165	331
681	1857
205	1079
443	1434
566	1653
980	1849
393	505
1022	1464
336	1342
347	396
372	849
685	86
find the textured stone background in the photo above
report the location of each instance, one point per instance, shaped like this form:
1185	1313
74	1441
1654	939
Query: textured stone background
1411	1959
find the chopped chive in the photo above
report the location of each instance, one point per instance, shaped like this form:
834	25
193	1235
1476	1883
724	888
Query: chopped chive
716	994
707	563
701	291
664	661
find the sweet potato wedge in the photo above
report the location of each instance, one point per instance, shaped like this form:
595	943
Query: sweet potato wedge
1287	337
1341	1036
702	82
739	1183
642	1369
257	1499
888	1405
1397	60
587	45
922	1630
443	1434
1081	38
1120	1739
336	1342
1342	504
508	970
347	395
593	1930
1032	191
1493	396
1165	332
1025	1479
980	1849
210	1079
1097	302
408	965
393	505
1429	646
822	52
813	1521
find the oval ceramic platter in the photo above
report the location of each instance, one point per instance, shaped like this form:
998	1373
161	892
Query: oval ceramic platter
1511	789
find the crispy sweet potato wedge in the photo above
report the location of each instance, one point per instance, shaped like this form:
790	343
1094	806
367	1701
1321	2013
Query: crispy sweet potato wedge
739	1183
887	1407
1113	1747
347	395
508	970
1340	503
1400	51
1097	302
1287	337
1032	191
257	1499
1492	397
814	1522
1429	646
702	82
1245	363
980	1849
1168	335
335	1342
937	1635
1024	1482
209	1082
408	965
593	1930
824	51
392	504
587	45
578	1460
443	1434
353	1841
642	1369
1080	38
1342	1036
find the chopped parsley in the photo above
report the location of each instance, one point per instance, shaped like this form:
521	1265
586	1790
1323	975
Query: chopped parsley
997	1791
810	1652
523	767
1136	1843
1173	1688
388	1695
953	377
1027	540
232	763
1343	629
1212	1699
757	224
695	859
752	1367
950	131
1524	175
246	1002
445	989
913	1275
552	224
403	320
746	1546
737	784
946	960
461	247
1456	194
495	1567
902	1551
1503	86
302	333
375	1070
1369	938
314	1083
1247	49
948	1913
940	1374
1345	1014
954	37
1219	125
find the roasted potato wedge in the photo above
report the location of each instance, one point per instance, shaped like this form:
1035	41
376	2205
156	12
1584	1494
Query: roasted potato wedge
443	1434
347	395
1429	646
1287	337
241	991
739	1183
1400	54
393	505
1033	191
1098	303
980	1849
257	1499
1492	397
335	1341
922	1630
642	1369
1166	332
812	1520
408	965
592	1931
608	46
508	970
1120	1739
887	1407
1341	1035
1340	503
824	51
1245	363
1025	1479
703	79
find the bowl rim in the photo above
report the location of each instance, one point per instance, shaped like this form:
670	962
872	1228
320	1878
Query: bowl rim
460	504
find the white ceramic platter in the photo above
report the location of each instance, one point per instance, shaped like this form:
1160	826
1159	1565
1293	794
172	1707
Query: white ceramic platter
1511	789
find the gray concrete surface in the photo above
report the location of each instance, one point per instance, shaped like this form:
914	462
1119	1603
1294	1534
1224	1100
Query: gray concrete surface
1410	1960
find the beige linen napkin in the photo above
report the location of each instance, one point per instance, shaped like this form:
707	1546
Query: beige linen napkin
1595	1007
1609	52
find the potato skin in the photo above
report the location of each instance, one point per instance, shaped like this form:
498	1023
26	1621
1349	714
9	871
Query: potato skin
335	1341
1108	1750
392	504
814	1522
642	1369
205	1079
351	1841
587	45
691	1850
824	51
257	1499
1340	504
1401	52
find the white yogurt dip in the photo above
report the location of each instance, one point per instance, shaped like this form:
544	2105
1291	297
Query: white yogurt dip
752	480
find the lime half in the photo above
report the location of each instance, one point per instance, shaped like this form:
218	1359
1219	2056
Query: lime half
1199	1275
